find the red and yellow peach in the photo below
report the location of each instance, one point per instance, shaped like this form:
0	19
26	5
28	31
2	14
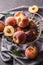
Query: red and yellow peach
31	52
31	35
1	26
10	21
8	31
19	37
22	19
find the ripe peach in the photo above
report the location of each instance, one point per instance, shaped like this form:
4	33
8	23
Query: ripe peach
31	35
19	13
23	22
31	52
1	26
10	21
8	31
33	9
19	37
22	19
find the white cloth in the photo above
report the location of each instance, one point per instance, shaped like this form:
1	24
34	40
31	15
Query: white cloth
5	46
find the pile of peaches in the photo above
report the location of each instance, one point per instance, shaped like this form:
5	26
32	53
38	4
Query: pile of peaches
20	28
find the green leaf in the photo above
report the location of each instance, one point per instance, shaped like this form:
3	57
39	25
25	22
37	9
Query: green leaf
17	53
8	14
